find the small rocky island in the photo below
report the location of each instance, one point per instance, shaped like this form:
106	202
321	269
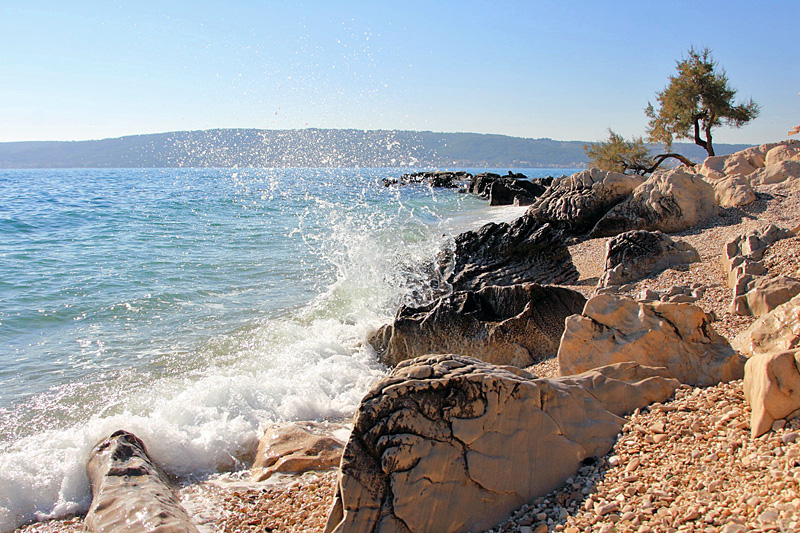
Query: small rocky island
623	357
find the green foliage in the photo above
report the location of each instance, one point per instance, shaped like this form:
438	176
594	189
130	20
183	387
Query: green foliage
619	155
696	99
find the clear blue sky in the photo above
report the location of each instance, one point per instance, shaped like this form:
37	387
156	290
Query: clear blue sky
560	69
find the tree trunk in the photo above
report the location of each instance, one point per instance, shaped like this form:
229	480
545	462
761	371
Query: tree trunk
706	145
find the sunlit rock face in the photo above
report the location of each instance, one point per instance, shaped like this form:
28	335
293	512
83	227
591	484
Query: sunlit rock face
450	443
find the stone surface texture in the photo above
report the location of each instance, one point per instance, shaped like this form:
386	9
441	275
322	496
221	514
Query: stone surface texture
777	331
513	325
678	336
296	448
523	251
636	254
578	201
130	494
772	388
451	444
755	291
668	201
733	190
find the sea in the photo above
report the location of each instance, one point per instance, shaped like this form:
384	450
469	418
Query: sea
195	307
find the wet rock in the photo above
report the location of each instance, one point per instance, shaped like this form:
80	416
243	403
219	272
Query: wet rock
436	178
637	254
668	201
130	494
296	448
523	251
772	388
449	443
512	325
577	202
677	336
513	189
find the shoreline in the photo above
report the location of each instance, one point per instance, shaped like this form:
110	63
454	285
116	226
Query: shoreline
752	493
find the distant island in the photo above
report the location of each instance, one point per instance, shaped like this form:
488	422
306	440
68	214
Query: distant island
310	148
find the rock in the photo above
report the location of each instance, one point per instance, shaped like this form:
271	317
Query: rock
668	201
513	189
296	448
783	175
733	191
772	388
763	294
754	291
479	184
523	251
777	331
436	178
513	325
129	492
678	336
460	448
788	151
637	254
578	201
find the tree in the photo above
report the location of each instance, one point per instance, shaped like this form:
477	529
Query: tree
628	157
697	99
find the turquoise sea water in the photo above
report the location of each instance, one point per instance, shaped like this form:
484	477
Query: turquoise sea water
193	307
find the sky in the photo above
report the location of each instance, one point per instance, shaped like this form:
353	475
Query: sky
565	70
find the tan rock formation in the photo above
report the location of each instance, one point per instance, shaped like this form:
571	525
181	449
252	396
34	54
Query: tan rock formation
512	325
668	201
733	190
772	388
453	444
296	448
678	336
777	331
783	175
788	151
130	494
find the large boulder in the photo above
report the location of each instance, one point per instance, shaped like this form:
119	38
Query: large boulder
777	331
513	325
578	201
678	336
733	191
637	254
787	151
523	251
783	175
452	444
668	201
130	494
296	448
772	388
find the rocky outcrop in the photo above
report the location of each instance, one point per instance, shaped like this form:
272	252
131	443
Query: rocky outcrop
523	251
668	201
773	166
614	329
513	189
130	494
436	178
636	254
754	291
675	294
772	388
296	448
449	443
777	331
577	202
513	325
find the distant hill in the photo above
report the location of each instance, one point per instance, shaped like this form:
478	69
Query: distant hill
309	148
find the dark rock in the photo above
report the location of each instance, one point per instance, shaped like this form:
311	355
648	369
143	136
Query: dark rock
435	178
637	254
575	203
515	325
450	443
129	492
513	189
523	251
